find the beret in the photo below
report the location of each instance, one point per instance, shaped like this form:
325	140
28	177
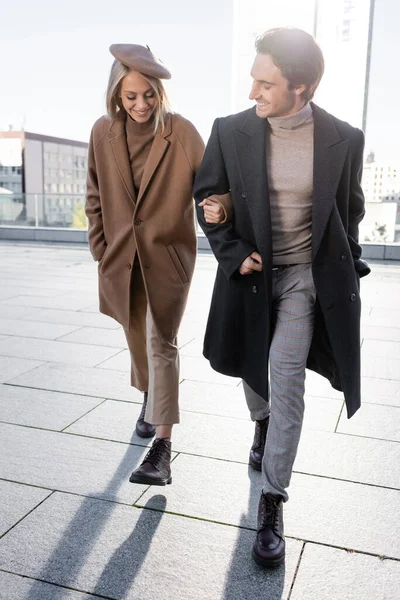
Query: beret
140	58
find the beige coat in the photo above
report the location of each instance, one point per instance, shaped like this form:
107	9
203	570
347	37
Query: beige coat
158	224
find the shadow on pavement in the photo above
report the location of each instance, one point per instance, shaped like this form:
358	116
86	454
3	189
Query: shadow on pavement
76	544
245	580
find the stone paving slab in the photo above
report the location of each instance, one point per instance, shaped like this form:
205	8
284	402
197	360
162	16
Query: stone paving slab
45	302
119	362
381	348
41	408
8	292
382	368
216	399
7	311
384	317
199	369
58	461
99	337
92	545
16	501
16	587
352	458
349	515
68	317
80	380
31	329
373	421
49	350
370	332
380	391
12	367
206	435
321	510
331	574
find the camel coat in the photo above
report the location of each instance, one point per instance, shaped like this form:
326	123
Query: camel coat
157	225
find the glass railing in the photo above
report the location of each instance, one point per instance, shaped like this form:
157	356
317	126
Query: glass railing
43	210
380	225
65	211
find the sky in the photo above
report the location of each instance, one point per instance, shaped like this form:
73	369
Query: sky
56	73
56	62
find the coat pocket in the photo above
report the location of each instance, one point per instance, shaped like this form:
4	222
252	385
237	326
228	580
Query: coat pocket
177	264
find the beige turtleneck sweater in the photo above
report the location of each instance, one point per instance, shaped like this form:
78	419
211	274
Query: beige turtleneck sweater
290	159
139	138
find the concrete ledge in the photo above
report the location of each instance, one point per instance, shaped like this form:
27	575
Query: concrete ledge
44	234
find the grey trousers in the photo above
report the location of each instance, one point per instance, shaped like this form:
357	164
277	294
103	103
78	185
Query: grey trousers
293	321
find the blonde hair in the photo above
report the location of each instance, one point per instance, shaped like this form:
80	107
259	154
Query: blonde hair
114	102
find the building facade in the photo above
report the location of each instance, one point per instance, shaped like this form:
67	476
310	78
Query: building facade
47	176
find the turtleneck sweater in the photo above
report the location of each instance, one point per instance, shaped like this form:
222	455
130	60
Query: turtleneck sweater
139	138
290	160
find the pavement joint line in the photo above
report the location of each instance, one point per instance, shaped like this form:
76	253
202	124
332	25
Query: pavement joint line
373	485
296	571
120	350
368	437
53	491
84	415
58	585
30	387
225	460
26	515
339	417
186	344
139	403
60	338
137	506
41	308
25	372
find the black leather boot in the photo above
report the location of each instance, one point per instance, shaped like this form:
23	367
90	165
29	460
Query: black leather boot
156	466
143	429
257	449
269	547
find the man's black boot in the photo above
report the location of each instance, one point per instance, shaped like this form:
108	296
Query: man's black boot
143	429
269	547
257	449
156	466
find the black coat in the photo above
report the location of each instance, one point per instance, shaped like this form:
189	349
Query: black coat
238	334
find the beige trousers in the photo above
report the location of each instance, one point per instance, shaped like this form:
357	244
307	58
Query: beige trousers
154	364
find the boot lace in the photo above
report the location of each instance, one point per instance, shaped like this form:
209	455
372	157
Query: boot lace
259	434
155	453
270	513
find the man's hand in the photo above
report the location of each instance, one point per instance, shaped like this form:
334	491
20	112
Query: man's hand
213	211
250	264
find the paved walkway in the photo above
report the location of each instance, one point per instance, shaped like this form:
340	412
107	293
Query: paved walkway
72	527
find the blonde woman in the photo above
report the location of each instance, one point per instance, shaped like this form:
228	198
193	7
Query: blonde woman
142	163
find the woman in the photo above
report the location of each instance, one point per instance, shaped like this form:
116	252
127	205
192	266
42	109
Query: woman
142	163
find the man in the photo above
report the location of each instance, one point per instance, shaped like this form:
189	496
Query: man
286	294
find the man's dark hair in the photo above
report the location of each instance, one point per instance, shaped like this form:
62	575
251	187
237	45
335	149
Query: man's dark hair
296	54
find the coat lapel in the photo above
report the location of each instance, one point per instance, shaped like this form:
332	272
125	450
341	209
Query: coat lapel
158	150
250	148
330	152
117	139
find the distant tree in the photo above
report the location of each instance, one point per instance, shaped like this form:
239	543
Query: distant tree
79	220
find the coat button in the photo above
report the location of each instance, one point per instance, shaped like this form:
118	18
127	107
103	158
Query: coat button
129	266
254	289
243	195
137	222
352	298
344	256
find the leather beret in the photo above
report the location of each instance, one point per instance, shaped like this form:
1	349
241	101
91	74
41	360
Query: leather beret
140	58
